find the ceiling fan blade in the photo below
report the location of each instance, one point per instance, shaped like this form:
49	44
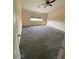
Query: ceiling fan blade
52	1
50	5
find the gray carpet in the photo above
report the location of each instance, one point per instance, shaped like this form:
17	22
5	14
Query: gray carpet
40	42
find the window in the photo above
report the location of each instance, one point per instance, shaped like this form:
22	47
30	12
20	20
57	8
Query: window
36	18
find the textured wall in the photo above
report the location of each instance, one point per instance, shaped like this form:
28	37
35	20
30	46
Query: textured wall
26	18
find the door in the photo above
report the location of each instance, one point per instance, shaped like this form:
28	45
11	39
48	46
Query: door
17	26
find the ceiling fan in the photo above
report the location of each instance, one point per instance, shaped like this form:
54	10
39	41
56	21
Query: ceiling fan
48	3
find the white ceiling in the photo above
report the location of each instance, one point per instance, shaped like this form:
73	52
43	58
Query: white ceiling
35	5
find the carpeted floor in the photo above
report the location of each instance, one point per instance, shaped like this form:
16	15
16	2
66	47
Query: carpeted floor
40	42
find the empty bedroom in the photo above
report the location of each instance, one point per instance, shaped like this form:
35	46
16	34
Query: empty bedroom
43	29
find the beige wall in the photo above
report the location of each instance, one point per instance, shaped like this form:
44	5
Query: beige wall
26	18
56	18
